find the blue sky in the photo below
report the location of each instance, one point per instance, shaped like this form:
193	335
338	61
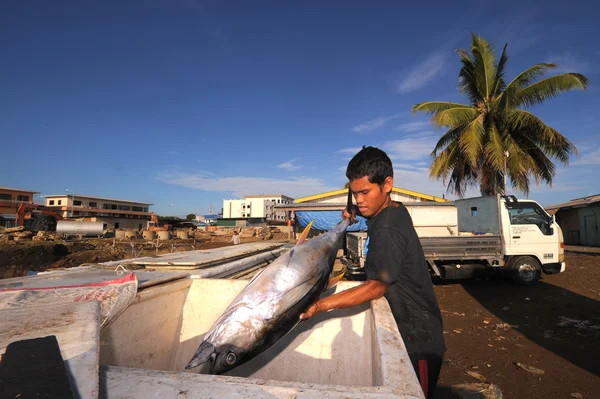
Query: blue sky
183	103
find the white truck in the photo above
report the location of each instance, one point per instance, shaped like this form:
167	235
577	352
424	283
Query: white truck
498	233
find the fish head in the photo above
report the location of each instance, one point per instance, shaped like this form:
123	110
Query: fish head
227	357
229	343
220	358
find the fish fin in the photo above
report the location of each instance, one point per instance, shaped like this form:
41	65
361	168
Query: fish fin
285	301
304	233
334	280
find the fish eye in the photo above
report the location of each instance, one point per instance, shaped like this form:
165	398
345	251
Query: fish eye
231	358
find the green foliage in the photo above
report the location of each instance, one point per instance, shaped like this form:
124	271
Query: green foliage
472	150
191	216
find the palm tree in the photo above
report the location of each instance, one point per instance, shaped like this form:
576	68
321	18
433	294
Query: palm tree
496	127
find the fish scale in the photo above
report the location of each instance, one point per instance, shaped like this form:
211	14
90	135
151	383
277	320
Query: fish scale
270	305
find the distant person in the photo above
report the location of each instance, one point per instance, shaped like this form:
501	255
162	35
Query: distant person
395	267
235	239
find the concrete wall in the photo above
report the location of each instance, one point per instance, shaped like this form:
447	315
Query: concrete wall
10	200
357	348
589	222
568	220
145	335
258	208
124	223
581	226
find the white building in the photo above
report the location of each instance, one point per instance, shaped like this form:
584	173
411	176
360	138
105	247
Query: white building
114	213
256	207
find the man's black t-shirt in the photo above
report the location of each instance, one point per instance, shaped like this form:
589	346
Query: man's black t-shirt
395	257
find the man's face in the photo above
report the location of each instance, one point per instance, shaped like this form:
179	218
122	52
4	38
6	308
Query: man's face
370	198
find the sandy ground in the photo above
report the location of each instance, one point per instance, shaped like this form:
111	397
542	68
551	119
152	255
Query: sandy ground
489	324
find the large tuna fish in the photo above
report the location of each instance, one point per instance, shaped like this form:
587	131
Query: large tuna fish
270	305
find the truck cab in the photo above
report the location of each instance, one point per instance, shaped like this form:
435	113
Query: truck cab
531	231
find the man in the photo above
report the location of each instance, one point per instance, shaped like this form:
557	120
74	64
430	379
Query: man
395	267
235	238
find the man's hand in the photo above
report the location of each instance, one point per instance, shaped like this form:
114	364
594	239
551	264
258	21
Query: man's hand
365	292
348	215
313	310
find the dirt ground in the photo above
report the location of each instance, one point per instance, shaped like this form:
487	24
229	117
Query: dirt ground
491	325
17	258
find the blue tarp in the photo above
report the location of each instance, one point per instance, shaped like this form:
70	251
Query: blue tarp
327	220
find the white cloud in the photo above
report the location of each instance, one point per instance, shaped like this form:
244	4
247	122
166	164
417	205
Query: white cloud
413	126
419	180
350	150
591	158
374	124
242	185
412	148
569	63
173	153
289	165
422	73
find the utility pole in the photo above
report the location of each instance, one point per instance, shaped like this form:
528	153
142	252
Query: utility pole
505	159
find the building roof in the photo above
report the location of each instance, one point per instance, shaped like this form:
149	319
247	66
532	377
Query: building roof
575	203
18	189
267	196
94	197
211	216
315	206
395	189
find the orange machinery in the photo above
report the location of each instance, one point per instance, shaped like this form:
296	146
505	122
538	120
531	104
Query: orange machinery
26	208
154	226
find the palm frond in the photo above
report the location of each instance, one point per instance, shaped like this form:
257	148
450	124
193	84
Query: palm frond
529	76
485	65
470	141
467	78
525	125
450	136
494	149
499	83
454	117
434	107
549	88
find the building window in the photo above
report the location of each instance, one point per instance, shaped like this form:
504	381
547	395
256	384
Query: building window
124	207
93	205
7	197
145	209
117	225
22	197
137	209
51	202
59	202
76	203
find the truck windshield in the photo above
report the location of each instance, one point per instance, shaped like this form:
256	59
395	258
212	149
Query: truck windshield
529	213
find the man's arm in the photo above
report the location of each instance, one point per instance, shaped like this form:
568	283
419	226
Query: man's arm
367	291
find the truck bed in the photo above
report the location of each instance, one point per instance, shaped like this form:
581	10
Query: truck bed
462	247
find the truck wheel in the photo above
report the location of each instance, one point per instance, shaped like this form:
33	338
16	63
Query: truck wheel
526	270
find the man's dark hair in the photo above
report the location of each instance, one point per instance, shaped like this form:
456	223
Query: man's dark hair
370	162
